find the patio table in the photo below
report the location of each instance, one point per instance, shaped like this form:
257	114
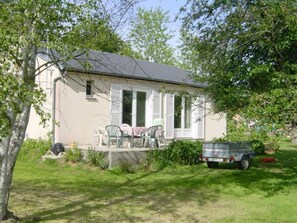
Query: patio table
133	132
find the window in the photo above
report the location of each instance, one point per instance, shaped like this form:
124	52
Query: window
177	111
187	113
140	108
89	92
134	107
127	107
182	112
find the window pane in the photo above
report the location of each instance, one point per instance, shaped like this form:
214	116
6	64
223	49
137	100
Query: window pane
188	113
177	111
89	88
127	107
140	109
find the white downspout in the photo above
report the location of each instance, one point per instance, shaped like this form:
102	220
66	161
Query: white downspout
54	108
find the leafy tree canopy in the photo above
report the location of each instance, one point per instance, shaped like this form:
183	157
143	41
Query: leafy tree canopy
188	53
150	36
101	36
247	55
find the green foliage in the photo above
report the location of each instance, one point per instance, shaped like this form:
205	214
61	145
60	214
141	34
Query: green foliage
261	138
73	155
101	36
183	152
149	36
188	55
240	131
12	96
34	149
247	57
237	131
96	158
257	146
51	162
273	143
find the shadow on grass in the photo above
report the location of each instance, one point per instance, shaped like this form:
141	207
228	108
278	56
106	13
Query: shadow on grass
162	196
103	199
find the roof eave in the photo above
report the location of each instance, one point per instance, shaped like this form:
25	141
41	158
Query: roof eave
133	77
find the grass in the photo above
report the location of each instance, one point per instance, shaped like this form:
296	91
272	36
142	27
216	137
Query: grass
267	192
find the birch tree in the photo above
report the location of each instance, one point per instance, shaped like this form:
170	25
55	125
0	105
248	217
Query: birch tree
25	27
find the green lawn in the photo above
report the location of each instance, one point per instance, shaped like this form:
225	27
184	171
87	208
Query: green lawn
267	192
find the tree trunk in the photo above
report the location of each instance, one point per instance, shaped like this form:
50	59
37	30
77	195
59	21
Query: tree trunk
4	187
11	146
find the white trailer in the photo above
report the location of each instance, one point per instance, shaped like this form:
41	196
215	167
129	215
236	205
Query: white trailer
227	152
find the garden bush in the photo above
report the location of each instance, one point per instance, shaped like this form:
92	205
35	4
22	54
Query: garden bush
34	149
73	155
272	143
262	138
96	158
257	146
183	152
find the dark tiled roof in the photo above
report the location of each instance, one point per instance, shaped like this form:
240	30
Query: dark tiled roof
96	62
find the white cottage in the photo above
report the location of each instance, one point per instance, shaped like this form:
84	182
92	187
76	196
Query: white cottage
99	89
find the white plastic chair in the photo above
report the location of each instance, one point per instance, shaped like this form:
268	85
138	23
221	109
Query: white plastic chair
99	133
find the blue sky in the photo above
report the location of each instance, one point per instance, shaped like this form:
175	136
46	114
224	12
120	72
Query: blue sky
168	5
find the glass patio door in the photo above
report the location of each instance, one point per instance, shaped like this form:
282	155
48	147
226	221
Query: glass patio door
182	112
134	107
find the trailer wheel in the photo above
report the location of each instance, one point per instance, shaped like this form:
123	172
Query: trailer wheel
244	164
212	164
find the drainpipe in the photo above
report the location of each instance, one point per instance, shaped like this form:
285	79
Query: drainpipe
54	108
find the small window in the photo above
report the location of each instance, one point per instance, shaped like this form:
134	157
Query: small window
89	92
